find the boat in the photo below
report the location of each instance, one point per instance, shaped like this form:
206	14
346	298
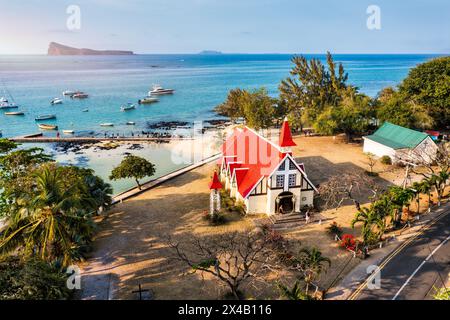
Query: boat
79	95
131	123
15	113
128	107
56	101
107	124
47	126
45	117
158	90
68	131
148	100
69	93
8	105
85	110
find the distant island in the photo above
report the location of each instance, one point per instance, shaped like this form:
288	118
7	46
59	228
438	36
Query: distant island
56	49
210	52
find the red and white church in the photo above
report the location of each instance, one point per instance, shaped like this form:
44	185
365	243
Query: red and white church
264	175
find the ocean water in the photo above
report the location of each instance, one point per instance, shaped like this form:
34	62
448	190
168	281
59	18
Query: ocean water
201	82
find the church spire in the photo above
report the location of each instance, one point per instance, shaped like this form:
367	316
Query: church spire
286	141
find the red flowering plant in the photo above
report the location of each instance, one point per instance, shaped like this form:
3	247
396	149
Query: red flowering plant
348	242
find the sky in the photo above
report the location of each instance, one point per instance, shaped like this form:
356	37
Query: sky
230	26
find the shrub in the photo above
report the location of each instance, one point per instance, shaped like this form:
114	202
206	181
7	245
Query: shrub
217	218
32	279
239	207
348	242
335	229
386	160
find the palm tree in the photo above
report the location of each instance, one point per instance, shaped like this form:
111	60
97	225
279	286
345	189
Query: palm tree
416	188
399	198
296	293
313	264
441	181
54	222
370	218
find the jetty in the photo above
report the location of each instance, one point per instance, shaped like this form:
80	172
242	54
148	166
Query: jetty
36	138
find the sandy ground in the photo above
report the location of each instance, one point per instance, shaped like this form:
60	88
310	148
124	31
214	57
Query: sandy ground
131	245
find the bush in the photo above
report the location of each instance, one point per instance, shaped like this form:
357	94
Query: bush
348	242
32	279
215	219
386	160
335	229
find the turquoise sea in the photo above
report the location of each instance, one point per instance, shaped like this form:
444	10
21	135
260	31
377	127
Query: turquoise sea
201	82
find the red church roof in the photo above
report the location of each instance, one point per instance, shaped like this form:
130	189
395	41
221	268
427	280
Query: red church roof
286	136
215	183
257	157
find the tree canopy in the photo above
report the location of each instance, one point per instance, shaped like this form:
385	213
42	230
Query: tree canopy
133	167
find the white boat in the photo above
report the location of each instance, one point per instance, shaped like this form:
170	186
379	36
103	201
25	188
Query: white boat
3	99
16	113
8	105
107	124
158	90
44	126
131	123
68	131
56	101
45	117
69	93
128	107
148	100
85	110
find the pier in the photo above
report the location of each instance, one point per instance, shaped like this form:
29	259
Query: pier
42	139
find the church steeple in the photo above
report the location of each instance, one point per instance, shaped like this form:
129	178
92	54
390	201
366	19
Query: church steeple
286	141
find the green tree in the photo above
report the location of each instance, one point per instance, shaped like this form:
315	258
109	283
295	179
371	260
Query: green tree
373	224
133	167
52	221
294	293
31	279
312	87
259	108
400	198
7	145
232	107
312	263
428	84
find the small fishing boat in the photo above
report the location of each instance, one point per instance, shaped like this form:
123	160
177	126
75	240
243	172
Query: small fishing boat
45	117
158	90
16	113
85	110
47	126
56	101
69	93
107	124
79	95
128	107
148	100
131	123
68	131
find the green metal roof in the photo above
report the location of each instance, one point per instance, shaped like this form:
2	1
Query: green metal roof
397	137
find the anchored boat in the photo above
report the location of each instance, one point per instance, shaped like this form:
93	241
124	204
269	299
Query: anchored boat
148	100
45	117
56	101
69	93
47	126
79	95
16	113
158	90
128	107
131	123
107	124
68	131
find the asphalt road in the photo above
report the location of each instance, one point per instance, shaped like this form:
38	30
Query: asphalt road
413	271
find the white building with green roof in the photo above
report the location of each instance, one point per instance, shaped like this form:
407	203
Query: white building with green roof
400	143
